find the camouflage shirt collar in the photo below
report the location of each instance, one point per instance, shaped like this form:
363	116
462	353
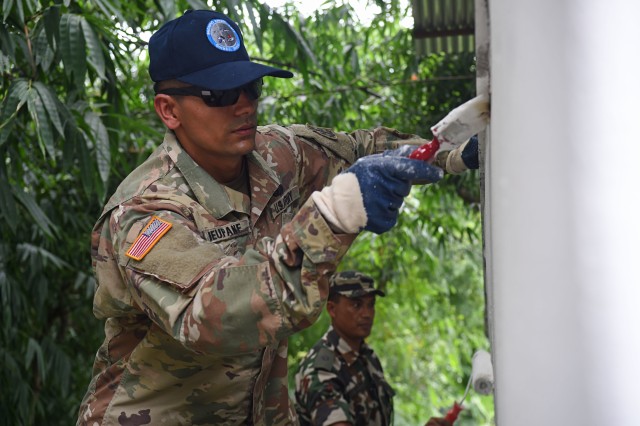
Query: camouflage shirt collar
341	346
206	189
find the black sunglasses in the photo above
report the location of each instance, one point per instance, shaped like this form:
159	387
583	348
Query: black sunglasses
217	98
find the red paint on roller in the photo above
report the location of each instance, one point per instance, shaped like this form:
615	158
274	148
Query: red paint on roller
452	414
426	151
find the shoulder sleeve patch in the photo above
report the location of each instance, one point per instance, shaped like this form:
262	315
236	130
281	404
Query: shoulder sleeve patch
324	359
179	259
338	143
323	131
150	235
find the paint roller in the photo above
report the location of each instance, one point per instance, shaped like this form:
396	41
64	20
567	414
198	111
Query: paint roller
455	128
481	378
482	372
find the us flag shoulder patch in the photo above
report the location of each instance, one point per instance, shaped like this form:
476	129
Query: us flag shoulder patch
150	235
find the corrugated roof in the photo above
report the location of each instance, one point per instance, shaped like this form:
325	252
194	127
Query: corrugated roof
443	26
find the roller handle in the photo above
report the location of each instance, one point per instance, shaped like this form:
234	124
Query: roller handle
452	414
426	151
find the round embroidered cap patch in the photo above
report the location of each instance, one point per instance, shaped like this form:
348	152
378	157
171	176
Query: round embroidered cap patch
222	35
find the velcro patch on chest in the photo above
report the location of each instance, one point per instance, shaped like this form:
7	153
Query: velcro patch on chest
324	359
150	235
280	205
228	231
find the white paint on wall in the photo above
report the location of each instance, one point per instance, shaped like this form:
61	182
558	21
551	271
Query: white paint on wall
563	189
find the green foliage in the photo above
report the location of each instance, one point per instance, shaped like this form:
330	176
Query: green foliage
76	116
65	121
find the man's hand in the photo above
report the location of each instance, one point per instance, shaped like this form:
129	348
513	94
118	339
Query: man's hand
369	194
437	421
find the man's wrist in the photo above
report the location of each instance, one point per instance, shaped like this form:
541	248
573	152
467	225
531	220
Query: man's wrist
341	204
311	233
451	161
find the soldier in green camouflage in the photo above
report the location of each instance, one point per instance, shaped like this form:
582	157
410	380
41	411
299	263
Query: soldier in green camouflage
219	246
341	381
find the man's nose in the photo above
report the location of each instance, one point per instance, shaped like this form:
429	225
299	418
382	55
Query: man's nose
245	105
368	311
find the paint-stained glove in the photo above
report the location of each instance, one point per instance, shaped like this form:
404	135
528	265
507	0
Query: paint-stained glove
461	159
369	194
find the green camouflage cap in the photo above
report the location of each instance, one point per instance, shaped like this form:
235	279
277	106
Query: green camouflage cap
353	284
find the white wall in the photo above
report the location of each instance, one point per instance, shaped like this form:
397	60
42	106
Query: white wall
563	190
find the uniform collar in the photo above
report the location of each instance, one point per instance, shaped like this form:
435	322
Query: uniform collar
344	349
217	198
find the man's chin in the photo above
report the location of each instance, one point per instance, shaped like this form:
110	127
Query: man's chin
245	146
365	331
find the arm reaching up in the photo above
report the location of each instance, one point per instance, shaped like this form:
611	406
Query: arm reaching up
369	194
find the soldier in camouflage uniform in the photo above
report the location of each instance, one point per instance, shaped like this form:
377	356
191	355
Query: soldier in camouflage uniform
340	381
219	246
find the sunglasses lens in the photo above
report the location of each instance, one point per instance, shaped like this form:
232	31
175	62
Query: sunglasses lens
254	89
229	97
220	98
223	98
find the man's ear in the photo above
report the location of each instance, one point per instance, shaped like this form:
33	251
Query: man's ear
167	109
331	308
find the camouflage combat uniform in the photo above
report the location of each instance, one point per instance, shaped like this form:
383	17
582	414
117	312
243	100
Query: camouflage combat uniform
334	384
196	329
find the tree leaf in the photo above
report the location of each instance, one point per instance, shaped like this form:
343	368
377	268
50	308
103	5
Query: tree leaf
7	5
18	11
302	43
77	46
39	217
42	51
168	8
60	366
85	162
51	105
65	44
101	139
7	45
34	350
8	207
72	48
257	30
51	17
8	360
46	256
197	4
95	55
17	95
42	124
110	10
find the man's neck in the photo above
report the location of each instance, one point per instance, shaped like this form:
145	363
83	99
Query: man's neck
224	172
354	344
241	182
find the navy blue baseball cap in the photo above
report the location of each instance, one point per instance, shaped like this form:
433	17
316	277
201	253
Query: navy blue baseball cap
206	49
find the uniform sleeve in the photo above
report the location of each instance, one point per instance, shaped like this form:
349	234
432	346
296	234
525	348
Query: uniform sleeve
323	153
320	395
359	143
210	301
